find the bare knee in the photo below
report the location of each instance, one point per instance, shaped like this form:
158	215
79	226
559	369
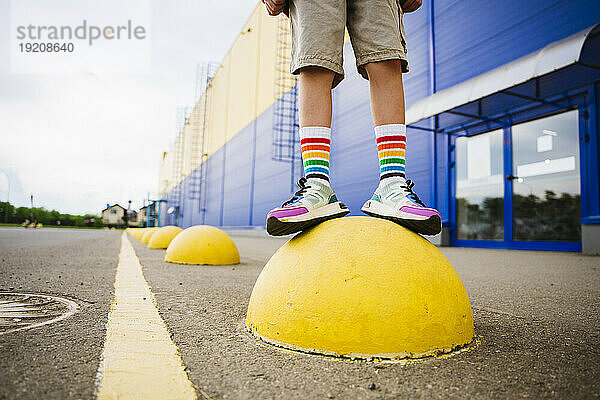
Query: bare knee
387	69
317	75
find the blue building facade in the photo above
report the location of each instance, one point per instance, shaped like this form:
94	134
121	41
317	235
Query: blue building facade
508	165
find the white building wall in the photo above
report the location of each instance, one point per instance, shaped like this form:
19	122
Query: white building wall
165	174
110	218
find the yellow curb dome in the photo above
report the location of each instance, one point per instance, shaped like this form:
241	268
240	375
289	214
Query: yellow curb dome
163	237
145	238
202	244
361	287
135	232
142	232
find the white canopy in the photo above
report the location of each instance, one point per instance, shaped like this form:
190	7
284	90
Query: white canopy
552	57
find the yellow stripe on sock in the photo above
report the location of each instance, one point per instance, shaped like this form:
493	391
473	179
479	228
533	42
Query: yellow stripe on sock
316	154
391	153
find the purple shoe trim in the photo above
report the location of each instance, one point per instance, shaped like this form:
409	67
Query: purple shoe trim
425	212
287	212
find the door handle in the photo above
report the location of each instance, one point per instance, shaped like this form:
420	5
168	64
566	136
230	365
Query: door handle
511	177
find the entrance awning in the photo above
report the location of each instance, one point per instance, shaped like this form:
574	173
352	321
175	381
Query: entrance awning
562	65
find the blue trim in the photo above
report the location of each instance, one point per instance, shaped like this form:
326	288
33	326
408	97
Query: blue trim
507	212
432	65
524	245
583	180
452	187
433	168
447	200
591	220
432	90
589	152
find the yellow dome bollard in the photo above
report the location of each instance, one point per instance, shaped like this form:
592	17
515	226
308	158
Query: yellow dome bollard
145	238
361	287
163	237
135	233
141	233
202	244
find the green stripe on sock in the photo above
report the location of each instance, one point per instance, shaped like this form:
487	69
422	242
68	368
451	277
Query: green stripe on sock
316	162
391	161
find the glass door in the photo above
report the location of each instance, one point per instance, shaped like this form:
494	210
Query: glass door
519	187
479	189
546	194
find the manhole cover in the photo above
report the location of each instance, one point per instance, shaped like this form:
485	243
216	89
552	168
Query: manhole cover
26	310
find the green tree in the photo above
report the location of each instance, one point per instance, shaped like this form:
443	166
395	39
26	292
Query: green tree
17	215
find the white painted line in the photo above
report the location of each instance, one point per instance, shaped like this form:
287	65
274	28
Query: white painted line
139	361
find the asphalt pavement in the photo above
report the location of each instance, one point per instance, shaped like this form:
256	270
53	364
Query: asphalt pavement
536	317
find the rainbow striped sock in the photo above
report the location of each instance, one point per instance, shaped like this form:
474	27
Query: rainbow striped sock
315	142
391	148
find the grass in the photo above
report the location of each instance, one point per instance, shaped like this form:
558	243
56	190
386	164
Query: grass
59	226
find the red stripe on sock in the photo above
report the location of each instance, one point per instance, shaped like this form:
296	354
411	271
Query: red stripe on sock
388	146
392	138
309	147
315	140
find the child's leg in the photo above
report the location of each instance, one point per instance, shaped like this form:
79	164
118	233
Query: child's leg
377	36
315	122
387	93
394	198
387	108
315	202
315	96
317	55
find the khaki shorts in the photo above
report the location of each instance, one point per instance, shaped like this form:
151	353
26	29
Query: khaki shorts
318	29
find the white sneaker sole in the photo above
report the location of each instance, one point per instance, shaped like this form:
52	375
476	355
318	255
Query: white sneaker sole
424	225
289	225
319	212
378	208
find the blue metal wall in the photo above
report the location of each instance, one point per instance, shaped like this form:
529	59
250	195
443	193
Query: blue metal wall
474	36
470	37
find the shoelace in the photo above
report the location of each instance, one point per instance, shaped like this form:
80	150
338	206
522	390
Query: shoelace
410	194
406	188
299	193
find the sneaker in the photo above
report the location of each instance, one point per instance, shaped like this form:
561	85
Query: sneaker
312	204
398	203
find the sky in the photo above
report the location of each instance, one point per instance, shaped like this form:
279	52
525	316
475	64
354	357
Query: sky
93	133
